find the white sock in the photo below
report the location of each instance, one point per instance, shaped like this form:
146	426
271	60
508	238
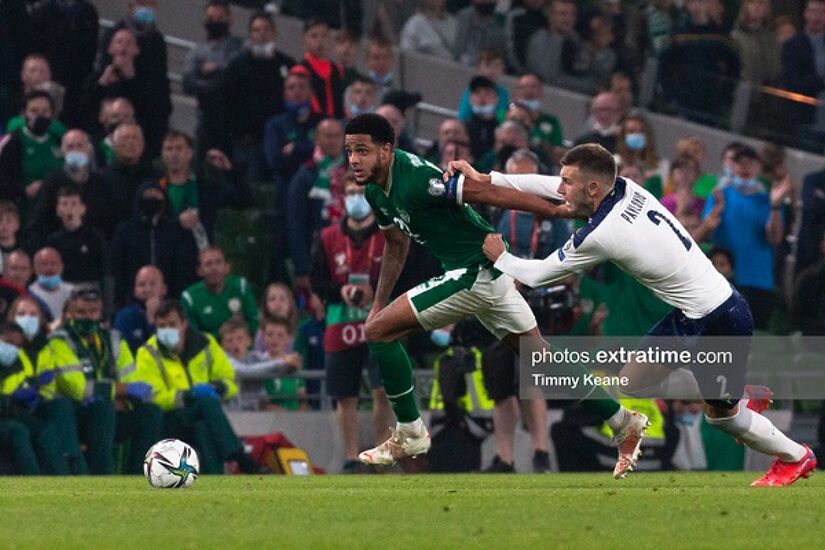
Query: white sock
412	428
759	433
619	419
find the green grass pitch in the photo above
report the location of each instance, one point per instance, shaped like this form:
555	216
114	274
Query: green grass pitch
661	510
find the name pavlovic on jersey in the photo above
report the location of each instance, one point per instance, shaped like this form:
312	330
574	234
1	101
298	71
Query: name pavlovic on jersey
634	231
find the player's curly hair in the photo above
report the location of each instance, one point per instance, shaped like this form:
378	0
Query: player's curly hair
373	125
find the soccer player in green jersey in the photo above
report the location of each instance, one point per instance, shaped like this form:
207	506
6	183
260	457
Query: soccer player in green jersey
411	200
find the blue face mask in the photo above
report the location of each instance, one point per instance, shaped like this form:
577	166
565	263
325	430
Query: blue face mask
635	142
169	337
357	206
727	171
441	337
29	324
686	419
381	80
49	282
532	104
76	160
483	110
8	354
144	15
300	108
355	110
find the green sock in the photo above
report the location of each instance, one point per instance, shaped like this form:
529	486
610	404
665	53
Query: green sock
396	371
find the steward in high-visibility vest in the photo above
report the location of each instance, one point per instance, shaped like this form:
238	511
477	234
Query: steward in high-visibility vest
475	399
54	409
95	369
190	375
31	442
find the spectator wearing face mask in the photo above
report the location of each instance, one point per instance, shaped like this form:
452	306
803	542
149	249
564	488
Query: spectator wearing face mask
287	140
545	128
205	68
43	220
482	124
381	62
360	97
30	153
151	236
66	34
327	77
49	285
636	145
36	75
152	101
490	65
751	226
253	93
603	123
114	111
82	246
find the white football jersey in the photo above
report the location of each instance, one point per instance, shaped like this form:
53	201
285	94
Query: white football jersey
634	231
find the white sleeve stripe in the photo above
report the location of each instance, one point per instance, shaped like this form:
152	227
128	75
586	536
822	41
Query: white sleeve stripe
385	227
535	184
459	190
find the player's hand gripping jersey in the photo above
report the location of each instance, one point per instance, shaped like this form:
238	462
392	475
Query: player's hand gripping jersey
633	230
415	202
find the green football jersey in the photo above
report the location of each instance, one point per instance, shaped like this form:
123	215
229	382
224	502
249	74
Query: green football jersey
414	202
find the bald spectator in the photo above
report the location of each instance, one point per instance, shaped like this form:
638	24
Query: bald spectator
114	111
205	68
252	94
451	130
605	115
49	285
30	153
122	178
153	102
43	220
547	47
136	322
316	196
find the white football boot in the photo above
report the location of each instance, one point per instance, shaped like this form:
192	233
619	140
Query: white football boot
628	441
399	445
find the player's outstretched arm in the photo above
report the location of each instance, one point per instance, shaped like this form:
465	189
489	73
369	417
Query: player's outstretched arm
536	273
523	192
395	254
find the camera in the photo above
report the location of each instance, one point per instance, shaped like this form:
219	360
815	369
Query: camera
553	302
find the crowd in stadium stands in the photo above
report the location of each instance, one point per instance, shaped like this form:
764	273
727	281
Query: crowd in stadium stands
149	276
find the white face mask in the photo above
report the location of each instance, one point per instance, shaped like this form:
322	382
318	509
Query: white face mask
266	51
168	337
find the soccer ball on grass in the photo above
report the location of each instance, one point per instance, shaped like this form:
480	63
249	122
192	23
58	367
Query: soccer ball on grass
171	464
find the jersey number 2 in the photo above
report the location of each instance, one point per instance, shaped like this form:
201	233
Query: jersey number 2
656	217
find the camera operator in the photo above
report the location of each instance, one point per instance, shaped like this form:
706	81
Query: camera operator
346	261
528	237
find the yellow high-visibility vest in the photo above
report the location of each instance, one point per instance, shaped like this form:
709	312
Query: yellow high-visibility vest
476	398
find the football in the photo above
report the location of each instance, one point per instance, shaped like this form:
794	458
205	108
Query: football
171	464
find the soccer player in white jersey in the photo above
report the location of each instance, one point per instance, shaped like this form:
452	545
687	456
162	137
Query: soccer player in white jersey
628	226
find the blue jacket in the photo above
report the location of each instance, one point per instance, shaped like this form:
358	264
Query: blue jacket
133	326
278	132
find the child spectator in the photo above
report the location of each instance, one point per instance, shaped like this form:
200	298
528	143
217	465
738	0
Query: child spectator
284	393
279	301
81	245
9	226
235	340
681	201
490	65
